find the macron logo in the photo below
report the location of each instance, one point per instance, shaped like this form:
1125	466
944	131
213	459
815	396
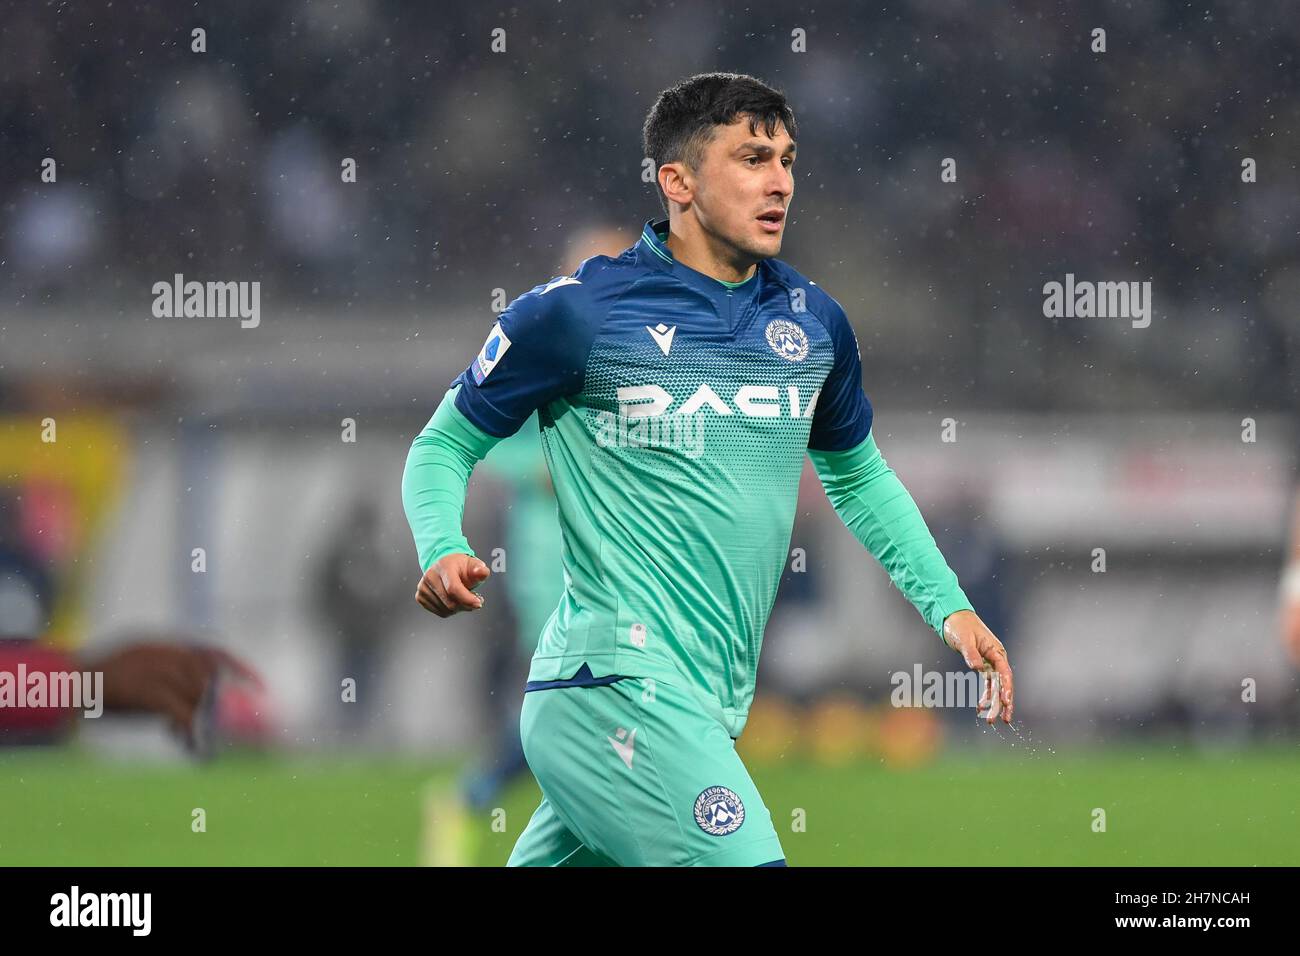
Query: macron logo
624	750
556	283
663	336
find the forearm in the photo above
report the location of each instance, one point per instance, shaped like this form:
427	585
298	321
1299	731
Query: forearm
435	480
875	506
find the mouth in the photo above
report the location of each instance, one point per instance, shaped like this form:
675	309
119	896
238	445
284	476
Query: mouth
772	221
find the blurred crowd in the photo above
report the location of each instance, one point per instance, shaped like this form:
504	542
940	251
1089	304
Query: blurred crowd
473	165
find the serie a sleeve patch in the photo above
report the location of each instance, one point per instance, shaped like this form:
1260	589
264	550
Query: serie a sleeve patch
493	349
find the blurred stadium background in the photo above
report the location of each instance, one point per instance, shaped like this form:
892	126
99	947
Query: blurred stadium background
481	171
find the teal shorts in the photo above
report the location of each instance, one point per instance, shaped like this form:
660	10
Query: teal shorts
637	773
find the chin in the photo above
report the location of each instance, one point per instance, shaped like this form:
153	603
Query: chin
758	247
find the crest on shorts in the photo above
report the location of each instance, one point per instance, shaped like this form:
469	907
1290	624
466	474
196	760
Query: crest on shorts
787	339
719	811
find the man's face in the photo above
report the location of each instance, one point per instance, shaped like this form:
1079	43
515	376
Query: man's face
743	188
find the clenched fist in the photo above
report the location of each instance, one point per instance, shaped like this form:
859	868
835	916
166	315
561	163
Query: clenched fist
447	587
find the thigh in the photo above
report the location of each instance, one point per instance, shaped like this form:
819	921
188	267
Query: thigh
546	841
640	773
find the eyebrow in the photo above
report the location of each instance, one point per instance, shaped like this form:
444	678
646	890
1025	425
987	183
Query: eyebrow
756	146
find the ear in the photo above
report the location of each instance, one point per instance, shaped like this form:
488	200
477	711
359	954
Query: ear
676	182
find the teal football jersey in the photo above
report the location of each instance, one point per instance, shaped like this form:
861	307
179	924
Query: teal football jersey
675	413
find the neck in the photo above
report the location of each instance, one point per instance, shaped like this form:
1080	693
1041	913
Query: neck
695	249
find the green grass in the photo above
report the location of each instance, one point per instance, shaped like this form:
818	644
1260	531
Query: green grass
1162	808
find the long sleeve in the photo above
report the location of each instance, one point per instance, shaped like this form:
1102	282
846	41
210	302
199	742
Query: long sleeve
875	506
436	478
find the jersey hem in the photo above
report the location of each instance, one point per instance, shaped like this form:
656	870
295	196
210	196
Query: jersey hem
565	666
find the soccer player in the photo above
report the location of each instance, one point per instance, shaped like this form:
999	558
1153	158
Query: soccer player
678	387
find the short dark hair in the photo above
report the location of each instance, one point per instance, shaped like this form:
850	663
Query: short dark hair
681	123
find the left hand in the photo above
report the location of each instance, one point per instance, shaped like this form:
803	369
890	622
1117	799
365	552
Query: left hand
966	634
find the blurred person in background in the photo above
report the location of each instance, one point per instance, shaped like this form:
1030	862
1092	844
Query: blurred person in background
357	596
534	583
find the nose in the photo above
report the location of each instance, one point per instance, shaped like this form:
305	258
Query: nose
781	181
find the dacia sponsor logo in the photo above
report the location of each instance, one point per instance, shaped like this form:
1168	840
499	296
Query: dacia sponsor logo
753	401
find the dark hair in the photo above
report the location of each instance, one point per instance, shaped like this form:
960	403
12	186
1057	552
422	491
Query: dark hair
681	123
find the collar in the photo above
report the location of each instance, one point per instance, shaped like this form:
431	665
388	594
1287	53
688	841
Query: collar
651	244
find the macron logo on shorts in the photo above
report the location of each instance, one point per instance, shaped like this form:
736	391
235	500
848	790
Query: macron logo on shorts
490	354
624	750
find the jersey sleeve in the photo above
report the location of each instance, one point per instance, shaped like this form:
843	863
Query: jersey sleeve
877	508
534	353
842	418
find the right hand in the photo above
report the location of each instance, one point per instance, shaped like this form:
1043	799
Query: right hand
447	587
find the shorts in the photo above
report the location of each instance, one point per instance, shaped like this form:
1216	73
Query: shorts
637	773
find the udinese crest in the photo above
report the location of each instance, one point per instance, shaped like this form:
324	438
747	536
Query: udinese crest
718	811
787	339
